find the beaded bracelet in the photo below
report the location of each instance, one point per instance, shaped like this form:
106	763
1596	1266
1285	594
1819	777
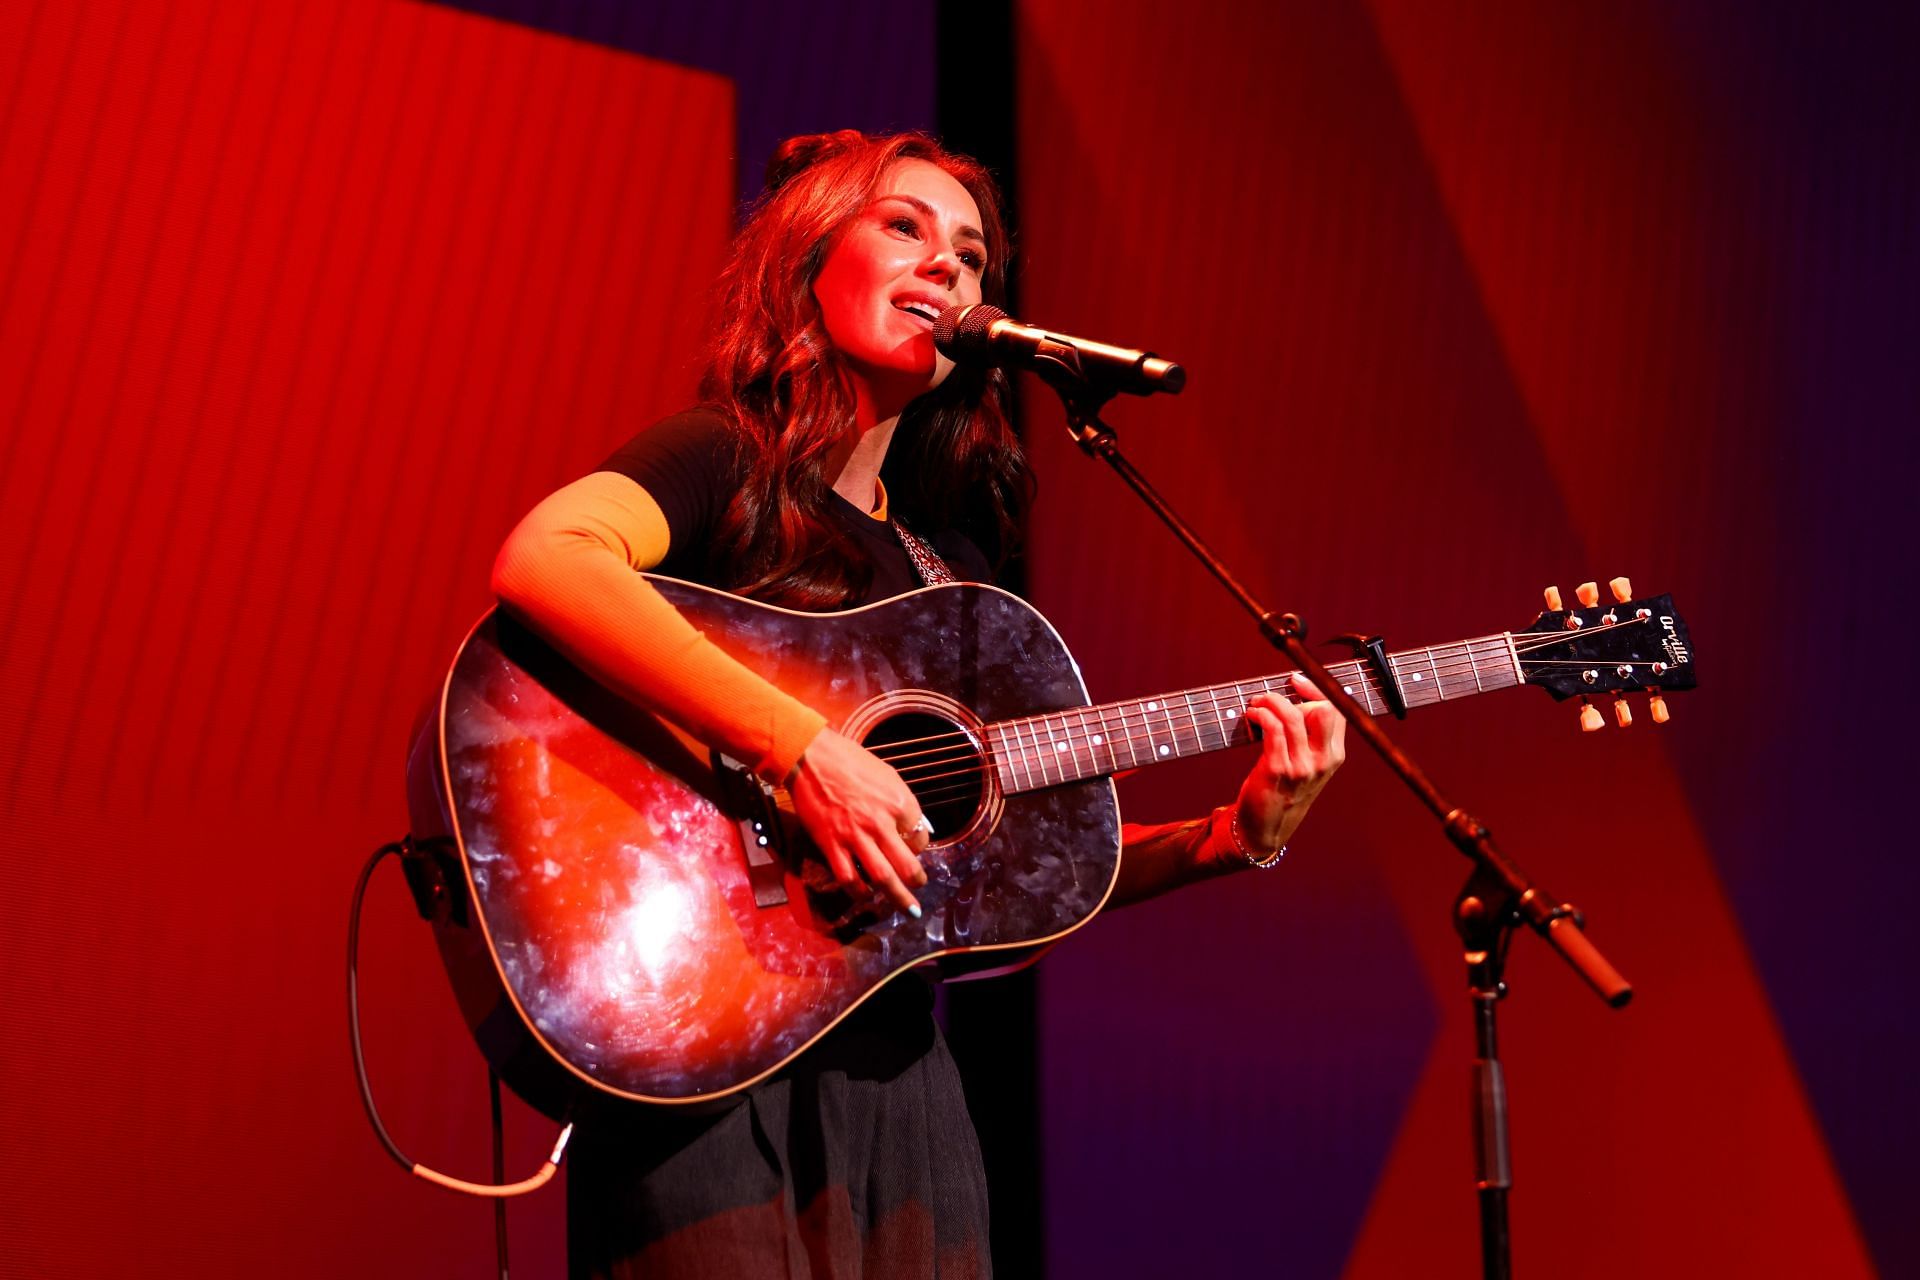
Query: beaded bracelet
1266	861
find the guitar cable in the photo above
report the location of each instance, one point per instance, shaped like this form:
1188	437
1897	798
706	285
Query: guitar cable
498	1191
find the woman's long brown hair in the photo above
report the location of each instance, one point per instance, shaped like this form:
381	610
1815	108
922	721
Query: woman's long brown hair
776	377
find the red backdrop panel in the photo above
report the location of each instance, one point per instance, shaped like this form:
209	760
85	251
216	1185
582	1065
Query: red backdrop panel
300	307
1456	304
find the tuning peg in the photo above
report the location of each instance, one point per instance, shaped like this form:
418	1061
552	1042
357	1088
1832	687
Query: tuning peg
1622	713
1622	589
1658	706
1588	594
1590	717
1553	599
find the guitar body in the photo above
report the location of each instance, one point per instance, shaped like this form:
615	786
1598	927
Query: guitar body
605	928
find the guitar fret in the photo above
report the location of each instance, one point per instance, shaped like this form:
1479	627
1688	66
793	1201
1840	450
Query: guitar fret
1125	736
1412	680
1219	721
1500	661
1351	678
1453	683
1463	684
1393	673
1412	683
1026	753
1161	750
1373	699
1238	712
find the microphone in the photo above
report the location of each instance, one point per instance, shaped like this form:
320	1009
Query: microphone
982	334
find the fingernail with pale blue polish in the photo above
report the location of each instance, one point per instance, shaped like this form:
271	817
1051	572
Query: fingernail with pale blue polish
914	911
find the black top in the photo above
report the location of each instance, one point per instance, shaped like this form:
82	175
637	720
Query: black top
691	465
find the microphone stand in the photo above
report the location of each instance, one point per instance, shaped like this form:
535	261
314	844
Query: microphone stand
1497	896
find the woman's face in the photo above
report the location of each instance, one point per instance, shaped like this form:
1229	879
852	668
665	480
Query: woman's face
914	251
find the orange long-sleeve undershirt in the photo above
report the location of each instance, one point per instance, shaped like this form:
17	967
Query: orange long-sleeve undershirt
570	571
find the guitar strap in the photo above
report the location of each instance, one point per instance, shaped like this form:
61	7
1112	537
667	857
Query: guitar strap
927	563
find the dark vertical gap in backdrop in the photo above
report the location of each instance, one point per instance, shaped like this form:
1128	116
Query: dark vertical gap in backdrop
992	1025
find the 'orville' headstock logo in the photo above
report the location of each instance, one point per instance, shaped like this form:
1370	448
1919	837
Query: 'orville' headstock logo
1675	647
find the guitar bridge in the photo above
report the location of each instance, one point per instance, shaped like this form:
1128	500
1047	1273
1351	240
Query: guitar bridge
750	802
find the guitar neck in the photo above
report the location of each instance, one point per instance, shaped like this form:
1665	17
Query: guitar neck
1089	742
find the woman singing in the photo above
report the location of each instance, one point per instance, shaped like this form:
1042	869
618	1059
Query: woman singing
836	459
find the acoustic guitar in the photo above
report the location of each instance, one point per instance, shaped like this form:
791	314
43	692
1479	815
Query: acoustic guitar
627	914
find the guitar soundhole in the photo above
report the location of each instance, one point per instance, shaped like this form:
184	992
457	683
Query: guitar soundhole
941	764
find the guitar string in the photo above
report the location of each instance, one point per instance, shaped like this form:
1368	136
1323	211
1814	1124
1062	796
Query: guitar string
1462	659
1455	666
1236	689
1588	662
1179	718
1075	744
976	764
916	774
1368	680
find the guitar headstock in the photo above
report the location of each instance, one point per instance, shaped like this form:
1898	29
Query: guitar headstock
1628	646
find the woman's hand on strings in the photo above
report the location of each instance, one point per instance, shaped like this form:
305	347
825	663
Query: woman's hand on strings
1300	749
862	817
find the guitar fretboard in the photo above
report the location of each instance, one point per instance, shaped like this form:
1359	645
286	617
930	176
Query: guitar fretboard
1088	742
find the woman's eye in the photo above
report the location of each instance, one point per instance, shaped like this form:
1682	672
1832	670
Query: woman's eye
905	225
973	260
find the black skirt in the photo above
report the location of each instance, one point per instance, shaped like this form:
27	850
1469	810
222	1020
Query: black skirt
858	1161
